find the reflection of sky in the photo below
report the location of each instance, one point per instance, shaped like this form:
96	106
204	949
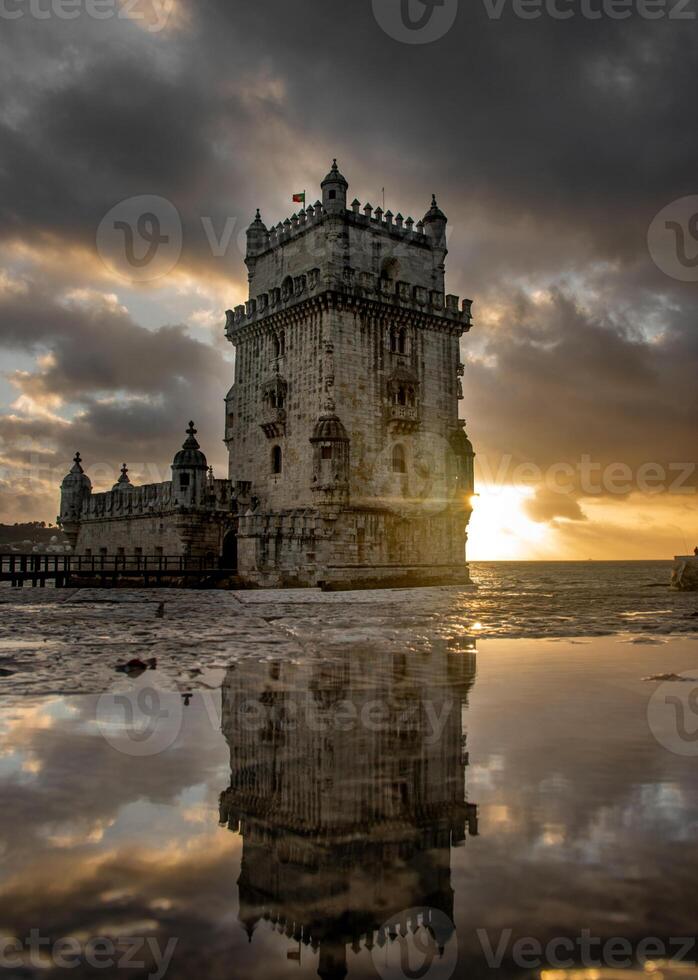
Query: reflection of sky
584	820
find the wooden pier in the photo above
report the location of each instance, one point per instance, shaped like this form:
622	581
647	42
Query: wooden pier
113	571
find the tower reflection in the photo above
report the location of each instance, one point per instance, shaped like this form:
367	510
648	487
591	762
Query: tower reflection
348	788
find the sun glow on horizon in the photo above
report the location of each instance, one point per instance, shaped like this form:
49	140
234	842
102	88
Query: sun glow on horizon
500	530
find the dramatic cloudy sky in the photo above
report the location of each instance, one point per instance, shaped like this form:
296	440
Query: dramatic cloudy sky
551	143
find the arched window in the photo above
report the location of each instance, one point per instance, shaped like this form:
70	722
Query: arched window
393	340
276	459
401	395
402	341
399	465
282	343
277	346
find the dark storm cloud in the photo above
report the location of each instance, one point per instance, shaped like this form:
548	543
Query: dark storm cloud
580	123
134	389
551	145
557	382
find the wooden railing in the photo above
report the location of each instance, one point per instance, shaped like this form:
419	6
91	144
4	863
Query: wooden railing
106	569
97	563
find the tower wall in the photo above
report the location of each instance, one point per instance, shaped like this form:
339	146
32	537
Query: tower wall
347	320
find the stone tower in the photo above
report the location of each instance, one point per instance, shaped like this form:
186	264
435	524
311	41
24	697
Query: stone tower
347	455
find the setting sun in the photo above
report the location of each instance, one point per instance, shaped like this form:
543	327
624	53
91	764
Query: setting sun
500	530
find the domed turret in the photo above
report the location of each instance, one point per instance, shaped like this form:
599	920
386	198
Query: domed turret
435	224
334	191
189	471
190	454
330	444
257	236
329	428
75	492
77	479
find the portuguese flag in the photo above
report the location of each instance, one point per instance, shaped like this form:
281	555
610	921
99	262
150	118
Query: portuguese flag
299	198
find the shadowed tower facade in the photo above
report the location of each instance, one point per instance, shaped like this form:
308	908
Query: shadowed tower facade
347	457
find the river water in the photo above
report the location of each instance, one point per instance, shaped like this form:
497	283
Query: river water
431	783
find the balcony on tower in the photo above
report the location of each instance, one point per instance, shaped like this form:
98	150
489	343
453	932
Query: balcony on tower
273	420
402	412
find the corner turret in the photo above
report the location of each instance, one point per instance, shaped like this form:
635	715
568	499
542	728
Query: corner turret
435	225
189	472
334	191
257	242
76	489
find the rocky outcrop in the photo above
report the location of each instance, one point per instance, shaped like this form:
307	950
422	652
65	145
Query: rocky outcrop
684	575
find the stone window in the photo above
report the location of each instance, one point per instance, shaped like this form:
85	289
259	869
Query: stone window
333	195
399	465
404	395
398	340
326	452
183	481
103	551
276	460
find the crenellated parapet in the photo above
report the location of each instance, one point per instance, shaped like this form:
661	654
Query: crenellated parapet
149	500
366	218
360	285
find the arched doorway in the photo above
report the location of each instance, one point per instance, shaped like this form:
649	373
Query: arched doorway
229	558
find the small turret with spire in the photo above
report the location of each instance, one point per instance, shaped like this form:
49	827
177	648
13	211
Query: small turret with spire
334	191
435	224
189	472
124	482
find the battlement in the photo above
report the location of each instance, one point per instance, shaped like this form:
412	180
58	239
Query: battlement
333	238
367	217
149	499
359	284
